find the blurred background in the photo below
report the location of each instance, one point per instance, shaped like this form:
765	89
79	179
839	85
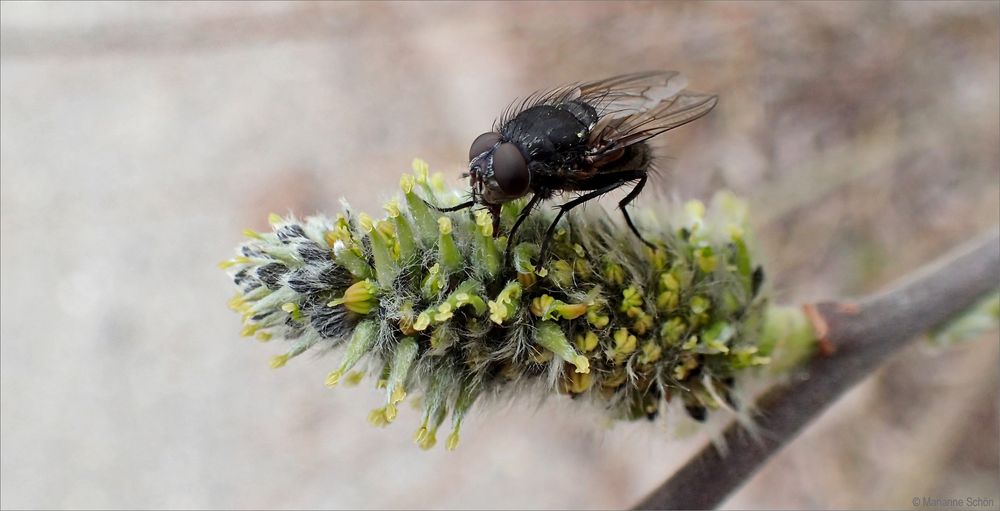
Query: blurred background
139	139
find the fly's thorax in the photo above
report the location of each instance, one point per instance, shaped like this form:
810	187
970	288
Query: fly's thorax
586	114
547	134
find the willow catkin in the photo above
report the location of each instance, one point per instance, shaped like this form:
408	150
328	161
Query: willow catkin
425	300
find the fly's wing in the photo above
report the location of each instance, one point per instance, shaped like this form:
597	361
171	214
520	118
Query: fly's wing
631	94
630	108
635	107
617	96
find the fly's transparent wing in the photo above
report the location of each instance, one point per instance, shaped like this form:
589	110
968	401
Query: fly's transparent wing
636	107
675	111
630	108
615	97
631	94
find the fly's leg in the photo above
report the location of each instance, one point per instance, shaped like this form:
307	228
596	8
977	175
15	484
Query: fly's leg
625	202
495	210
564	208
513	230
464	205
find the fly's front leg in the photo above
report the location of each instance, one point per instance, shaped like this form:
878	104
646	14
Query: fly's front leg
494	210
464	205
513	230
459	207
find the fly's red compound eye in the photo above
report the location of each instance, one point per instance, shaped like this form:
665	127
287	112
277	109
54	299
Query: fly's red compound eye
511	170
483	143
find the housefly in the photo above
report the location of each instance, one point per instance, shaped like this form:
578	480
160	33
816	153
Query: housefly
584	138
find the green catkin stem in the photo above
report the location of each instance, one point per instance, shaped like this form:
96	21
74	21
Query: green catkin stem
550	336
523	253
466	398
423	219
404	235
490	255
257	294
273	301
467	293
307	341
506	303
486	245
449	257
435	424
385	267
354	263
402	361
284	255
363	339
435	409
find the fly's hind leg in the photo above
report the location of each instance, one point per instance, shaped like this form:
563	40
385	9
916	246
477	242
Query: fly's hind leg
564	208
625	202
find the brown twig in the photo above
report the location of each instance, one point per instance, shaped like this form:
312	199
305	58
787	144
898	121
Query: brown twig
858	337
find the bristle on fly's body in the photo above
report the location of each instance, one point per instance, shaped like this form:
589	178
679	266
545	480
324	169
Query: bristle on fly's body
425	296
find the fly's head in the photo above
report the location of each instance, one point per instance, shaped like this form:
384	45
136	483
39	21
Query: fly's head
498	172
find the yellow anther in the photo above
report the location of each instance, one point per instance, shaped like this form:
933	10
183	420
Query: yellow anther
444	225
279	361
420	170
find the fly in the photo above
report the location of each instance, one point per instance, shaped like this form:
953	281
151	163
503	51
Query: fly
585	138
